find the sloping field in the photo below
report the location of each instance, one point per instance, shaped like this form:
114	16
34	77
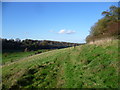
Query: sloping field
86	66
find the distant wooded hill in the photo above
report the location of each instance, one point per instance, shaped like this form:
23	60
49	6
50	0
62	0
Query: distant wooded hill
107	27
29	44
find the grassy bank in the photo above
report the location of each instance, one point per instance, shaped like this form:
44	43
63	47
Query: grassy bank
11	56
86	66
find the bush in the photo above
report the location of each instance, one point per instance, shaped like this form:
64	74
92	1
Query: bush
106	27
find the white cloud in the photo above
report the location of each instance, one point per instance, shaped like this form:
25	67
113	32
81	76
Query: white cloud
70	32
63	31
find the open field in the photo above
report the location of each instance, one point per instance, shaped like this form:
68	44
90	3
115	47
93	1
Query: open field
85	66
11	56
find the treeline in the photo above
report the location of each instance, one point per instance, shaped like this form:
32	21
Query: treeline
108	26
28	44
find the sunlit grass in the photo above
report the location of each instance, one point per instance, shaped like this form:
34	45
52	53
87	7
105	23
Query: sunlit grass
86	66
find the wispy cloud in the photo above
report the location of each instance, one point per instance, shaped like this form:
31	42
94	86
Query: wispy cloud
70	32
64	31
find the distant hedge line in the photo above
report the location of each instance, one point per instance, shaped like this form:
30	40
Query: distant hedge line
29	44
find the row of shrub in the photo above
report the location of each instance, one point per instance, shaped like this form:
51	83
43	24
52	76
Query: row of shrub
29	44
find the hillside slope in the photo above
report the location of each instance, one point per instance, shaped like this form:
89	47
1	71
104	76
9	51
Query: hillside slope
86	66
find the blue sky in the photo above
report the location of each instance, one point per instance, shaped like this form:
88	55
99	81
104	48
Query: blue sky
58	21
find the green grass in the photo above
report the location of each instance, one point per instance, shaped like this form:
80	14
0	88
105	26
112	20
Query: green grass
86	66
11	56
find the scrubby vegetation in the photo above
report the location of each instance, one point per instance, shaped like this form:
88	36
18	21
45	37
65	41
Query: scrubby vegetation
106	27
86	66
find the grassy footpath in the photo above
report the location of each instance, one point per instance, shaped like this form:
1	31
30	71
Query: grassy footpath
86	66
